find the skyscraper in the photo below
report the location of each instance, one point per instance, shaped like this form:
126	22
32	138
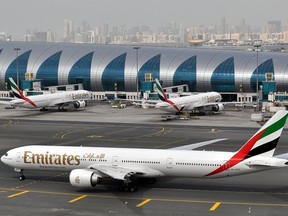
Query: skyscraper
68	30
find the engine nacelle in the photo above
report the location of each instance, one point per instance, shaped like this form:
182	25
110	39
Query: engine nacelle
83	178
80	104
218	107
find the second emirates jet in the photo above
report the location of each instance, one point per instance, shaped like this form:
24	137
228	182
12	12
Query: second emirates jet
89	165
196	102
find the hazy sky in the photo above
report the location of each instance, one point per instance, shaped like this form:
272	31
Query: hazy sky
16	16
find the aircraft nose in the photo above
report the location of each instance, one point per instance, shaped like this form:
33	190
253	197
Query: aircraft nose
4	158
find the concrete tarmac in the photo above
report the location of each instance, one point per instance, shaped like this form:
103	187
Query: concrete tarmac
50	193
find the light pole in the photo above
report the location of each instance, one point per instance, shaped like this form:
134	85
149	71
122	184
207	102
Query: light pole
257	46
17	69
137	83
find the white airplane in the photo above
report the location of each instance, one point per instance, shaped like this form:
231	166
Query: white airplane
60	99
189	103
89	165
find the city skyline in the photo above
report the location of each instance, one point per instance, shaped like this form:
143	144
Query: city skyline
19	16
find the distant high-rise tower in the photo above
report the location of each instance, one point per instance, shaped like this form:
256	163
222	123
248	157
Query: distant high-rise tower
223	26
274	26
68	30
242	26
106	29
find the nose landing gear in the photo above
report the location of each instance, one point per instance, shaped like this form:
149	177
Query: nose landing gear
20	171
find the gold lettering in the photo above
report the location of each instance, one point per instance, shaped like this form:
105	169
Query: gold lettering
64	159
77	159
27	156
37	158
50	159
69	159
57	160
46	158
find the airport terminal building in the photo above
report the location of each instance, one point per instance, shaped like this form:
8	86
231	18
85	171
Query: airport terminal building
106	67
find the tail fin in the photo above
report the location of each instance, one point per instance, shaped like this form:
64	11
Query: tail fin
263	142
163	96
16	90
18	93
160	91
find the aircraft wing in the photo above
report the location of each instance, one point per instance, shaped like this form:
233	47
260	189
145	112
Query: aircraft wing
117	172
147	103
223	103
6	100
197	145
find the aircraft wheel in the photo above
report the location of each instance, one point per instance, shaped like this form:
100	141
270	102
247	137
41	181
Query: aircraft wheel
22	177
128	187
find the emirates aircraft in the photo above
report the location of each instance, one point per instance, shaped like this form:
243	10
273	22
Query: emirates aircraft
60	99
89	165
189	103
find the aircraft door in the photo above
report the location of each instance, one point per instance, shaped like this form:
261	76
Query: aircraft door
169	163
18	157
226	165
115	161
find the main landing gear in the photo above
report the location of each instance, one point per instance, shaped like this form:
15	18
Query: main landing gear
43	109
61	109
20	171
128	186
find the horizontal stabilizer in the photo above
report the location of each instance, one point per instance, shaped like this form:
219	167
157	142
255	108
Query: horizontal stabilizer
282	156
260	163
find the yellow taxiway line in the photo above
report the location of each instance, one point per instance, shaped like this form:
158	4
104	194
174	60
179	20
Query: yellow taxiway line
143	203
17	194
215	206
78	198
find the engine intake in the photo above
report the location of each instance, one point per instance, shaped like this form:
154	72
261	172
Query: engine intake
80	104
84	178
218	107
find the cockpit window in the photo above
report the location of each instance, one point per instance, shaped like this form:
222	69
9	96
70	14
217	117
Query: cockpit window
6	154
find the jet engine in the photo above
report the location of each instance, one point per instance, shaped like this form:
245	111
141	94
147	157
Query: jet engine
80	104
84	178
218	107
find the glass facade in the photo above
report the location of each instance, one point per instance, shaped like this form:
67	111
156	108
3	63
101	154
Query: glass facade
48	71
81	71
113	74
265	67
22	62
223	77
151	66
186	74
99	68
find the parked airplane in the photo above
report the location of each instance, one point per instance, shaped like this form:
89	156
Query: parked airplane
88	165
60	99
189	103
